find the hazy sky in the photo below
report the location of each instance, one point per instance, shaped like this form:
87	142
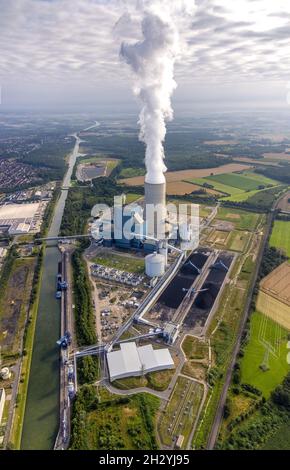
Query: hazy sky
61	53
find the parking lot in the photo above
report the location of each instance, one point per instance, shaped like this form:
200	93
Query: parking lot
116	275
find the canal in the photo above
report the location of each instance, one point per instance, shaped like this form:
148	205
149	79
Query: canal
41	419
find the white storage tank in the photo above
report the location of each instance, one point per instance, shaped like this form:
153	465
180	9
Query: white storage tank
154	265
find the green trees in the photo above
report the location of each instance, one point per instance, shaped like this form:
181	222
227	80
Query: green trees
84	316
252	429
88	370
112	422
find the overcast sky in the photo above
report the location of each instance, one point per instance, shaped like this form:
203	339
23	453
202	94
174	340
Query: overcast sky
65	53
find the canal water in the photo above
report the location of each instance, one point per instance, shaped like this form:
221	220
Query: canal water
41	419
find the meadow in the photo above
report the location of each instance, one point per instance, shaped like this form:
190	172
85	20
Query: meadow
280	440
242	220
263	332
237	187
124	263
237	181
225	189
280	237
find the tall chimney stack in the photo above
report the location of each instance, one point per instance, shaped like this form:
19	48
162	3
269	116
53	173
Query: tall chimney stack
155	209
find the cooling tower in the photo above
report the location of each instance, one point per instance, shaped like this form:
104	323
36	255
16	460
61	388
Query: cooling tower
155	209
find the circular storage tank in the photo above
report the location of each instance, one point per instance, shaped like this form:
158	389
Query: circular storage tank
5	373
154	265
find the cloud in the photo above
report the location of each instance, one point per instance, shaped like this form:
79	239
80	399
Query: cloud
57	41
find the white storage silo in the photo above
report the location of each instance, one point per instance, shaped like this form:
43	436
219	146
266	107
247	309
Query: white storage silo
154	265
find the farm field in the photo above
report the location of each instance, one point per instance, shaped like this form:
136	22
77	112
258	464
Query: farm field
277	156
256	161
265	331
241	220
180	188
280	440
217	186
280	237
236	187
124	263
244	196
261	179
284	204
236	180
132	197
181	411
244	182
185	175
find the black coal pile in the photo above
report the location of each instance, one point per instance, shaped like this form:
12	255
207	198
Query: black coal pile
205	300
174	293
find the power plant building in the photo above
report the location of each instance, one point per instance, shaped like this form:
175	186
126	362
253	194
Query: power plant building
133	361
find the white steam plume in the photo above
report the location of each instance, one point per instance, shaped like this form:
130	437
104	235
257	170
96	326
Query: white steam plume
152	61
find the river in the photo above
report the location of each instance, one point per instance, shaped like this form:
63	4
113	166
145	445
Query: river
41	420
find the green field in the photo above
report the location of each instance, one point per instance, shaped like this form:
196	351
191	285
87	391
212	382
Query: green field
124	263
242	220
132	197
242	196
265	331
261	179
260	197
216	185
238	181
236	187
238	240
131	172
280	237
194	348
280	440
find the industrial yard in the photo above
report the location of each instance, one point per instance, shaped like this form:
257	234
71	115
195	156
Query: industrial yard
22	212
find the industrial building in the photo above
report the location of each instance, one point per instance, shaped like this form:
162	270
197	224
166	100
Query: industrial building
274	295
2	403
21	218
133	361
170	333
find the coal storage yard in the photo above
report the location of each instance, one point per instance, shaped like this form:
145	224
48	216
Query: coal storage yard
204	301
173	294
